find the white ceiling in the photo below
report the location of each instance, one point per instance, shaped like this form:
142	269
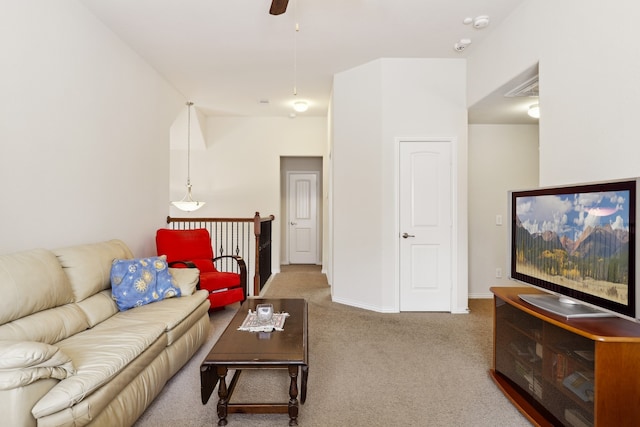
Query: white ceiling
229	55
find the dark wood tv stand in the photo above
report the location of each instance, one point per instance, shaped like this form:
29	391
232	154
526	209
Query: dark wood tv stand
578	372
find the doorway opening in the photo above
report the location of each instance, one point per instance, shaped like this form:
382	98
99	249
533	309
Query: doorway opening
301	210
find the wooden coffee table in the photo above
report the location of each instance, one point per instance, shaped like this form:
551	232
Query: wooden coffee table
238	350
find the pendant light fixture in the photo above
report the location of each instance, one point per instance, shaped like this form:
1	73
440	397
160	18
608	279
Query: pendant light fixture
187	203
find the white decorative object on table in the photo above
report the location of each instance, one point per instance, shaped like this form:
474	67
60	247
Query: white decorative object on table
265	313
252	324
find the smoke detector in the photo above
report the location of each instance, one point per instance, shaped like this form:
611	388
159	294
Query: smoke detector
461	45
479	22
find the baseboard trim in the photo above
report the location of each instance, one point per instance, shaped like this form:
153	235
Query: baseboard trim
358	304
481	296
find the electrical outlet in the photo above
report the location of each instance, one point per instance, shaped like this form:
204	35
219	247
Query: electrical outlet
498	273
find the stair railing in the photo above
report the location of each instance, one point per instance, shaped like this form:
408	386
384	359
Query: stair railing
249	238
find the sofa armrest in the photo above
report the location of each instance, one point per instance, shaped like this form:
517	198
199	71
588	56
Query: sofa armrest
24	362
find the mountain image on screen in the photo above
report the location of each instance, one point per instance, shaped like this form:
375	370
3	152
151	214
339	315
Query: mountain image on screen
591	258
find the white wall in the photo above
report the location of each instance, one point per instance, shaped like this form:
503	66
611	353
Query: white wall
356	185
373	105
502	158
84	134
238	173
588	69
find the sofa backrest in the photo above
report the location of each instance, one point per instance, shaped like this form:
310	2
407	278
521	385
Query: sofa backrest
36	302
88	267
31	281
47	296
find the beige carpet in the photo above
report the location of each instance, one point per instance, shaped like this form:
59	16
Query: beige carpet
365	369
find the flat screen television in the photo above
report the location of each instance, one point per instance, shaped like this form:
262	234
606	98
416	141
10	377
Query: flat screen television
577	243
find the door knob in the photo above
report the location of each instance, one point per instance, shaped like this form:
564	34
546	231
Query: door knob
407	235
294	223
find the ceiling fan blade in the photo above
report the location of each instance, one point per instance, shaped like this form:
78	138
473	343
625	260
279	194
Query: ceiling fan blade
278	7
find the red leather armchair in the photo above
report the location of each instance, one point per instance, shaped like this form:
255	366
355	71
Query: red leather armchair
192	248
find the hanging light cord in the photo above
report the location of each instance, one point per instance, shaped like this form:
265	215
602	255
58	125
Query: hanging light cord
295	49
187	203
189	104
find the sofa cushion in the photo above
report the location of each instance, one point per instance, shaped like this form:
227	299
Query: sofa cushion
31	281
137	282
175	313
89	266
99	355
142	379
23	362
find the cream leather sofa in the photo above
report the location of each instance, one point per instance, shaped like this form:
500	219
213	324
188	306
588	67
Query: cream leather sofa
69	357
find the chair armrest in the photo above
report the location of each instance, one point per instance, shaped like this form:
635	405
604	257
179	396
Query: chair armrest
187	264
242	267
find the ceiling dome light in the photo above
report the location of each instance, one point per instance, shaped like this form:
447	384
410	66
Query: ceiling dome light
534	111
300	106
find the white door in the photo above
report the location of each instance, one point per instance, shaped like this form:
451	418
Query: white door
303	218
425	226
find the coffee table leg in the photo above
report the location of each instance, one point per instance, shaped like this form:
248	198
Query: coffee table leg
293	394
303	383
223	395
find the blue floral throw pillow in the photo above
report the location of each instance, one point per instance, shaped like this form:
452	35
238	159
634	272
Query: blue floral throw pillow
136	282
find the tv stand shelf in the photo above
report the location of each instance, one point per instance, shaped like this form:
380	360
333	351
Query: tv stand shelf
565	372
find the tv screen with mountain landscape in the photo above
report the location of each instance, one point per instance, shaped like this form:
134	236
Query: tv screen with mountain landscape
577	241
